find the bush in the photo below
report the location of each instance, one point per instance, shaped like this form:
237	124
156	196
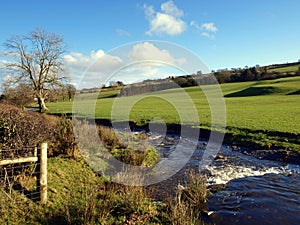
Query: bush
19	129
65	143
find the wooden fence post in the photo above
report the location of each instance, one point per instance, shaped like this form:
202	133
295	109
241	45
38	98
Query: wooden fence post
42	181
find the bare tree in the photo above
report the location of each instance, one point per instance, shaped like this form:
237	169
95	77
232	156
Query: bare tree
38	62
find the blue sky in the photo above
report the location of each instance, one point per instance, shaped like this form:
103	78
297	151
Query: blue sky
223	34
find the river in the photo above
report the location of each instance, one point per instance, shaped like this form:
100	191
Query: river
253	191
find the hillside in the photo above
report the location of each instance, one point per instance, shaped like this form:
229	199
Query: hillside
221	76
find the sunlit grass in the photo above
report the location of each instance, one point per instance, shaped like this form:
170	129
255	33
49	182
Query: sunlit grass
275	111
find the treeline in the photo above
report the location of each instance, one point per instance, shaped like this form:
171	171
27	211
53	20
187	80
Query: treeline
149	86
226	76
253	74
22	94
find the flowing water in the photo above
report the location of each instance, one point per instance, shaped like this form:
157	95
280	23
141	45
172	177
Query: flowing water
254	191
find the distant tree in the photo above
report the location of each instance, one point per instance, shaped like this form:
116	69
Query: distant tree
181	81
71	90
120	83
247	75
38	62
20	95
255	73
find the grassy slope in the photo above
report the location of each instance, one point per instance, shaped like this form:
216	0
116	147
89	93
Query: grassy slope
285	69
77	196
67	181
271	105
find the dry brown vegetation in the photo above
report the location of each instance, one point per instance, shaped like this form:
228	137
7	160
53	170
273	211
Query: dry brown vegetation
20	129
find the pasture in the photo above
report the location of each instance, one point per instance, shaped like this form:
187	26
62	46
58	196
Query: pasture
264	106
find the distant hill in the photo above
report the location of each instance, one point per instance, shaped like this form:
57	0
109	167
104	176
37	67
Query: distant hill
274	71
223	76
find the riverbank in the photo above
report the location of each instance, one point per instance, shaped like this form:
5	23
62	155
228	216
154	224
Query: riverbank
276	146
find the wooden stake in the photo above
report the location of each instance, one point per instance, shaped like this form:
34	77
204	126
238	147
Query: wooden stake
43	173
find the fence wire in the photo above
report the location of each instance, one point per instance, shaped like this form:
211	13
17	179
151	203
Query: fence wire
19	177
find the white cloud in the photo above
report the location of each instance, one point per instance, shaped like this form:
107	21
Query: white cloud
138	73
171	9
144	71
77	59
148	62
207	29
96	61
168	21
149	11
97	55
2	64
147	51
139	62
94	68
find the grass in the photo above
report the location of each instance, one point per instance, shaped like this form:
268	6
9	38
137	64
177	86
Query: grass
264	106
77	196
287	69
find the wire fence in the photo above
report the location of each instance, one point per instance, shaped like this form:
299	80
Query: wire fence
20	171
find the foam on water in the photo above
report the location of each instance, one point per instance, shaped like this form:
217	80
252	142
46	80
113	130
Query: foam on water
228	165
233	165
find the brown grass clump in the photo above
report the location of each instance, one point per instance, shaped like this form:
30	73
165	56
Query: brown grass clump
185	209
65	143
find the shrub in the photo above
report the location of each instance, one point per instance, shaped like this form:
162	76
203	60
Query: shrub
65	143
19	129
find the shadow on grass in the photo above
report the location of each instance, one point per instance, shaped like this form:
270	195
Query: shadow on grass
253	91
108	96
294	93
54	220
33	195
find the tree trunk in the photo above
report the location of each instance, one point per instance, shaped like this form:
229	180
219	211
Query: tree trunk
42	105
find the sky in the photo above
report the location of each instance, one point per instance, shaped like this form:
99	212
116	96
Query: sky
122	37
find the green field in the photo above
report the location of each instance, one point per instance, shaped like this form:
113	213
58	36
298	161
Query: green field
286	69
264	106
